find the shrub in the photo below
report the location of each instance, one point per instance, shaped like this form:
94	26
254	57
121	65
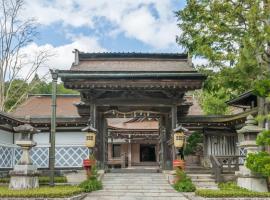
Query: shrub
230	189
230	186
230	193
43	180
58	179
259	163
42	192
183	183
91	184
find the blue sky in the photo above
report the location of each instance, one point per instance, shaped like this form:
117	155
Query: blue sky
103	25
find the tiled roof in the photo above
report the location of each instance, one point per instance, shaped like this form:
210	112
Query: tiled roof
132	62
40	106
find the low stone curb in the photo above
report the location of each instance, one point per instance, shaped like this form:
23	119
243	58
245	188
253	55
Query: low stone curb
77	197
192	196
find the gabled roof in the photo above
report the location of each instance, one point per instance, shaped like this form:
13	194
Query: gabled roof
40	106
244	100
147	62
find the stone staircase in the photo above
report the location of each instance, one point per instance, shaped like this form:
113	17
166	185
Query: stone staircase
135	186
136	169
201	177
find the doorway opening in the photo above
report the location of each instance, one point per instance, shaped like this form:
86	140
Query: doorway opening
148	153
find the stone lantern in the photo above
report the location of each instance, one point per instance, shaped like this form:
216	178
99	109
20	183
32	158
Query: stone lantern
245	177
24	174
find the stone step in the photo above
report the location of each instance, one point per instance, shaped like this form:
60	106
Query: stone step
135	186
137	194
203	180
141	190
135	171
200	175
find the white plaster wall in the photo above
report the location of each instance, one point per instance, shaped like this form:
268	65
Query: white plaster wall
6	137
61	138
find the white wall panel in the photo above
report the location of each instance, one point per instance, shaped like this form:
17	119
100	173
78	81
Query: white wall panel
6	137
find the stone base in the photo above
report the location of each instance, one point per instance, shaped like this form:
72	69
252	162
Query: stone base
23	182
170	176
257	184
24	177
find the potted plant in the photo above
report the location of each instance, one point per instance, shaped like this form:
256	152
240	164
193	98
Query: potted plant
89	164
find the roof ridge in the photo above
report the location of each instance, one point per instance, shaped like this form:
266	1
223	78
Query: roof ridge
134	55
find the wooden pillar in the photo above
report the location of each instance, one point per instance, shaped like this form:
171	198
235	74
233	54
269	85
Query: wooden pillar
166	148
101	140
104	141
174	124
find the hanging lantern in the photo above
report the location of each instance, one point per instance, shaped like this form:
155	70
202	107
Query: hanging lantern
179	139
90	139
90	136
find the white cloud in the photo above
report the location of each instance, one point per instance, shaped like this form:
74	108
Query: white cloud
63	56
135	18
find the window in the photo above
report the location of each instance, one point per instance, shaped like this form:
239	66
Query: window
116	150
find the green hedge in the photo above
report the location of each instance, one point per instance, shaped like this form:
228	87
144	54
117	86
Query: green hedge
43	180
230	193
230	189
44	192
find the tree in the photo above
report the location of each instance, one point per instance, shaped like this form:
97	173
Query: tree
15	63
233	36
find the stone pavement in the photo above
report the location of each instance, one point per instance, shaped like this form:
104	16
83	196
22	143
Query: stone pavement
136	186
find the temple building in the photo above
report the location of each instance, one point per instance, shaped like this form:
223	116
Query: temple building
134	100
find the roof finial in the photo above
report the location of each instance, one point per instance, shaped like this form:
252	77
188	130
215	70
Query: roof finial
76	52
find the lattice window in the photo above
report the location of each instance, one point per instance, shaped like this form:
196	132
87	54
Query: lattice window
40	156
242	152
70	156
6	157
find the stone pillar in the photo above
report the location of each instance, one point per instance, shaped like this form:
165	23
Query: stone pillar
129	153
245	177
25	174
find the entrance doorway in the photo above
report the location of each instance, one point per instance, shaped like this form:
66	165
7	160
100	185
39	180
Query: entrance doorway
147	153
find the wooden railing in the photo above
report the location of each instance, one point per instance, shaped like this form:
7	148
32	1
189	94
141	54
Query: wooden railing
224	164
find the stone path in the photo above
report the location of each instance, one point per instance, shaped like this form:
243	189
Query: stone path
137	186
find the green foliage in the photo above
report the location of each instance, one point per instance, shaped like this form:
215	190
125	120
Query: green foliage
92	184
183	184
262	87
43	180
259	163
263	139
232	36
213	103
192	143
230	186
229	193
42	192
57	179
17	89
230	189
